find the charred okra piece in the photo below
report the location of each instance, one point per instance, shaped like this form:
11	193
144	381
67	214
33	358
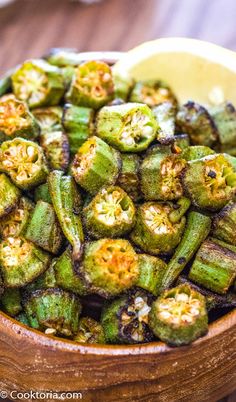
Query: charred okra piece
214	267
66	202
24	162
160	175
95	165
54	311
197	229
90	331
92	85
165	115
15	223
154	232
123	84
110	214
196	152
43	228
151	270
52	138
109	267
130	127
225	119
194	120
153	93
66	278
9	195
11	301
42	193
224	224
209	182
38	83
16	119
21	261
78	124
129	176
126	320
179	316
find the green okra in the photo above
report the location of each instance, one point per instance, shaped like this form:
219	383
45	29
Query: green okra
214	267
129	176
123	84
109	266
54	311
165	115
92	85
95	165
43	229
90	331
5	83
179	316
194	120
196	152
111	213
38	83
224	116
21	261
213	300
67	74
62	57
160	174
42	193
126	319
65	275
16	119
232	160
9	195
78	124
46	280
209	182
66	202
151	271
181	142
130	127
22	318
181	207
11	302
15	223
24	162
224	224
197	228
153	93
154	232
49	118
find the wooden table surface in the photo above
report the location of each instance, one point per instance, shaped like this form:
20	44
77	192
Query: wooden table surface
28	28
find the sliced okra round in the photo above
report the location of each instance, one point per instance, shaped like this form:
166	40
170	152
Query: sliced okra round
21	261
196	152
160	174
15	223
16	119
24	162
110	214
151	270
129	176
195	120
179	316
92	85
42	193
224	116
78	124
154	232
38	83
152	92
224	224
95	165
126	320
165	116
11	301
130	127
43	228
214	267
65	275
90	331
209	182
54	311
49	118
9	195
109	267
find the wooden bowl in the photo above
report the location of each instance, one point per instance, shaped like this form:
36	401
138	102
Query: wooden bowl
203	371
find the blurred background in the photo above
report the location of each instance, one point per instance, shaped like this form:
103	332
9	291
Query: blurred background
28	28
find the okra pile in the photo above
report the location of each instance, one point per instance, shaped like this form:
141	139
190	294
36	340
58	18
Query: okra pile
117	204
